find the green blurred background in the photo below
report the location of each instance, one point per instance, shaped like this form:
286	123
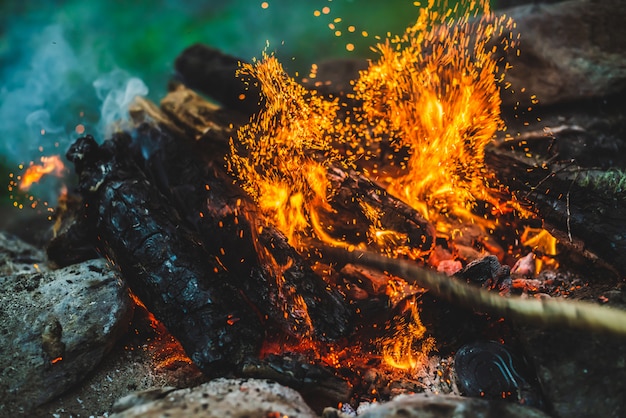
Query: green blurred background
52	52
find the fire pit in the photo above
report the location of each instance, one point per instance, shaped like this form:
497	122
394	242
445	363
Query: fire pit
370	231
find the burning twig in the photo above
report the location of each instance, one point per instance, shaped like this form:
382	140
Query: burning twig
549	312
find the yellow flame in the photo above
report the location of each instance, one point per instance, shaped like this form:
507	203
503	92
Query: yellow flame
434	92
406	346
286	150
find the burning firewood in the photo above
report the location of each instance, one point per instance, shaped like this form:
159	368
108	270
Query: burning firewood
368	214
541	312
244	253
277	280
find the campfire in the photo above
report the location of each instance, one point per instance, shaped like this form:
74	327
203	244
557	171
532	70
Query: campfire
346	239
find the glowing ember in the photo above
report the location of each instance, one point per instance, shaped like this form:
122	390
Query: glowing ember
165	350
34	173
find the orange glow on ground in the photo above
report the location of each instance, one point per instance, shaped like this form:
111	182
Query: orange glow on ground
165	350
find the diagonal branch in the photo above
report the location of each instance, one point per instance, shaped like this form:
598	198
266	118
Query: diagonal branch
547	312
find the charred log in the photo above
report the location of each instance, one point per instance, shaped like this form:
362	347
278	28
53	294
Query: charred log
355	195
165	265
212	72
585	217
74	234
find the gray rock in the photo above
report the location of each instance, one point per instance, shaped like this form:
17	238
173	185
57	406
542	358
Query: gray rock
570	50
580	375
442	406
16	256
56	326
217	398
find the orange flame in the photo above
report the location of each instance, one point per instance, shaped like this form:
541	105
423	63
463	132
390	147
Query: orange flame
286	148
34	173
435	92
542	241
433	95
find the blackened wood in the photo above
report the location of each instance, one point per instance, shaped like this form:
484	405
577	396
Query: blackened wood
181	283
585	216
213	73
73	244
272	274
73	234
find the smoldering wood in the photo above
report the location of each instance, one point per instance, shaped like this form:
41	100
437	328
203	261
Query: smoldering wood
350	191
182	282
164	263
